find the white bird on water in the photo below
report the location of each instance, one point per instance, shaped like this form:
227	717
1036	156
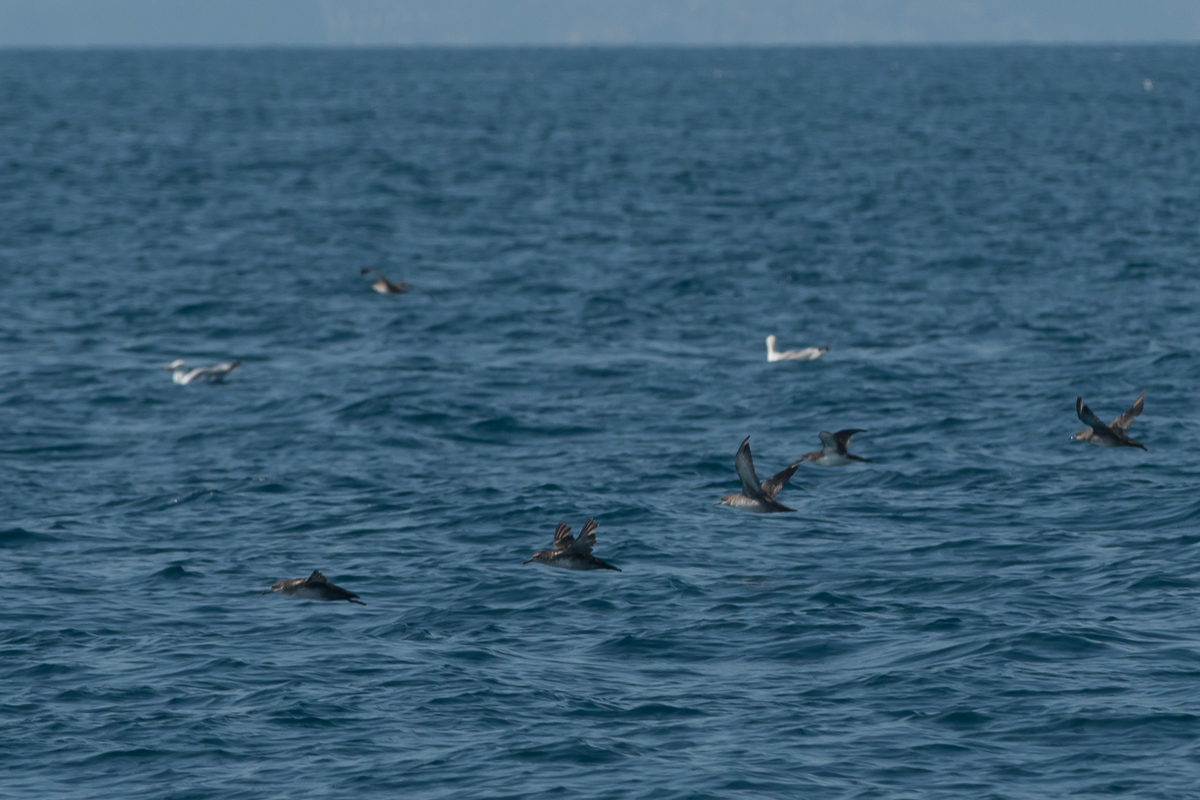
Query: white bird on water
807	354
182	375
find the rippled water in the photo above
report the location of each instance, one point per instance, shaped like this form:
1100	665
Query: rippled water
600	241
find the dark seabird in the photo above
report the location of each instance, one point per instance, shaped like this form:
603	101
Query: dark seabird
314	587
833	453
572	553
383	285
213	374
807	354
1112	435
757	498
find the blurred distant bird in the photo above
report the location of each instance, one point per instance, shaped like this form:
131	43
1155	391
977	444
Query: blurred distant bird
181	374
807	354
383	285
572	553
833	453
314	587
757	498
1113	434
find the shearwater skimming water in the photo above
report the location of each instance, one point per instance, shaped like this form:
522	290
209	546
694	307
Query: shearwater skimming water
314	587
756	497
1112	434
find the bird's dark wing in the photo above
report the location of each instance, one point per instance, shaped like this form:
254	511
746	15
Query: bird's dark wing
562	537
771	488
743	462
778	506
586	539
1088	417
843	438
1122	422
317	577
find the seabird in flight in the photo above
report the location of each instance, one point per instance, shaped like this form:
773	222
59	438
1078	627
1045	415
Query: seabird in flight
572	553
1113	434
314	587
757	498
833	453
383	285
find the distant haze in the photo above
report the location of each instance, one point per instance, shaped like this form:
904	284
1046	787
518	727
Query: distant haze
82	23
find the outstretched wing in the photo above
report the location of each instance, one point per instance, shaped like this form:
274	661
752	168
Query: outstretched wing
587	538
317	577
1122	422
1088	417
829	441
743	462
843	437
562	537
771	488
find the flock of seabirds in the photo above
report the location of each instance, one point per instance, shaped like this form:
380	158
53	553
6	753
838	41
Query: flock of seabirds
757	497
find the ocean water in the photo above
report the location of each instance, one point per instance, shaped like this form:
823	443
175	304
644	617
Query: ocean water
599	241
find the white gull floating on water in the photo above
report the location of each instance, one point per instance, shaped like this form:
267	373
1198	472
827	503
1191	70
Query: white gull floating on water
807	354
181	374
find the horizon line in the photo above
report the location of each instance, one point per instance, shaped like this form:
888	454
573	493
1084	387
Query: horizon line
954	43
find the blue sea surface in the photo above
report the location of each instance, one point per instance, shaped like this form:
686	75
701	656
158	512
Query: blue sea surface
599	242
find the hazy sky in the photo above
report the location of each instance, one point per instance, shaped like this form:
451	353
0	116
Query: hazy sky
390	22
